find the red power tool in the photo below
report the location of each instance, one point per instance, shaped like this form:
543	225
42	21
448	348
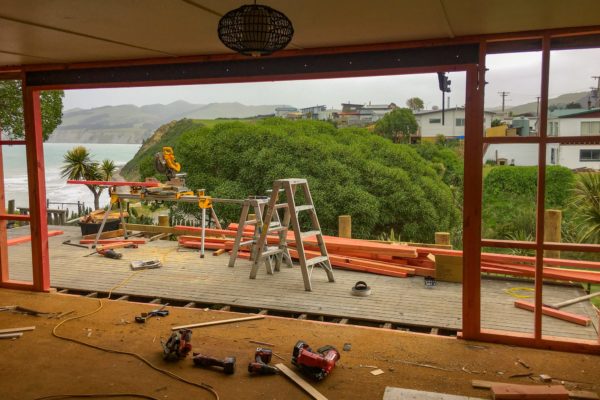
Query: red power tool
260	366
228	364
315	365
178	346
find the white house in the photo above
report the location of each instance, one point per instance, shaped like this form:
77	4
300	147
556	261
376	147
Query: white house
430	123
574	122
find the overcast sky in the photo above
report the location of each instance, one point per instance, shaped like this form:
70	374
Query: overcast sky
518	74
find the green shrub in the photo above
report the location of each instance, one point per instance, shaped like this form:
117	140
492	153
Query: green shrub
350	171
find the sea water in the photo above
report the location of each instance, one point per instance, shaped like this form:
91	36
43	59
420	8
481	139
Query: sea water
57	189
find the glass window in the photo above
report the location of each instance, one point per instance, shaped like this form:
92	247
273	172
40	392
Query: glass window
589	155
590	128
435	120
460	122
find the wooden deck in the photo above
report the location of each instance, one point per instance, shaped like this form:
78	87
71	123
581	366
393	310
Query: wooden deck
186	277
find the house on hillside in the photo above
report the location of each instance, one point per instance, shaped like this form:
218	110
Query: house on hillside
430	123
564	122
314	112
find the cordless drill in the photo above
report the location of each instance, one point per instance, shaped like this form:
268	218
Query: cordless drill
260	366
228	364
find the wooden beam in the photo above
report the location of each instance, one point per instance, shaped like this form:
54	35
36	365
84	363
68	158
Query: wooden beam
541	191
211	323
4	274
106	235
573	301
27	238
551	312
34	149
472	198
312	392
12	330
11	335
190	305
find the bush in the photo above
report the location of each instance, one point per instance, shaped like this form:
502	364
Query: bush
350	171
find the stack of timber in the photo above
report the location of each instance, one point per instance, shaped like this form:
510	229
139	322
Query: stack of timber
401	260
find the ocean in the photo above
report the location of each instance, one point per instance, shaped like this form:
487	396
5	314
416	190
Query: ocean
57	190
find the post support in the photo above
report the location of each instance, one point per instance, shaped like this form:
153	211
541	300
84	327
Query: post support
345	226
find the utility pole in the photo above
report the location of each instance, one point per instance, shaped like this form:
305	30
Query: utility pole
503	94
597	78
537	114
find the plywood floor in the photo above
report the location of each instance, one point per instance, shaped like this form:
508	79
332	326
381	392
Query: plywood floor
186	277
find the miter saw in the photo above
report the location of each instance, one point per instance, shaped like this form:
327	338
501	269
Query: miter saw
175	186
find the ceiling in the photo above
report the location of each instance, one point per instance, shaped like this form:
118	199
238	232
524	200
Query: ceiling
68	31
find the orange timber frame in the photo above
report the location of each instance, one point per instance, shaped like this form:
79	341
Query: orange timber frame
336	62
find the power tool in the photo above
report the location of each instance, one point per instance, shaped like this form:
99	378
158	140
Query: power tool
315	365
160	312
228	364
260	366
175	186
178	346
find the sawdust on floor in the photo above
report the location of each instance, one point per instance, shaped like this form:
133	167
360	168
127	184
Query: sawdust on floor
39	365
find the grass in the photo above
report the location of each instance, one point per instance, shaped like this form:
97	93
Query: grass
595	300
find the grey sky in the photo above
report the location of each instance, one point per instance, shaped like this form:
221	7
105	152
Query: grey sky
518	74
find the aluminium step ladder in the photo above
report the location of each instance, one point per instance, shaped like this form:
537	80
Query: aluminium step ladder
258	203
265	253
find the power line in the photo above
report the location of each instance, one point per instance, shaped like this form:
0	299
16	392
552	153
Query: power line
597	78
503	94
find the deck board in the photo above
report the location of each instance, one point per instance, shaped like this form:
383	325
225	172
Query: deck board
186	277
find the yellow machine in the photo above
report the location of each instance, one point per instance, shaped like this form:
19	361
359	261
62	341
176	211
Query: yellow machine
165	163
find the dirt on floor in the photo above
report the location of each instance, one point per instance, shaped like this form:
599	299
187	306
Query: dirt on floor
38	364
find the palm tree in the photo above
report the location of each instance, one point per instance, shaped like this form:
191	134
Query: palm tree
587	205
78	165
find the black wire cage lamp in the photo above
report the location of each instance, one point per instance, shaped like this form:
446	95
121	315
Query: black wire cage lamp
255	30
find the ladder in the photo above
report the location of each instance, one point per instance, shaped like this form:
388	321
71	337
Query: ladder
258	204
265	253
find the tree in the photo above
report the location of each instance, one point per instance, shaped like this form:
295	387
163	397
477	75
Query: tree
397	125
587	204
78	165
415	104
11	109
573	105
497	122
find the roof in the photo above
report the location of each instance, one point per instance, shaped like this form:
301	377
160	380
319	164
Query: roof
378	106
425	112
67	31
592	113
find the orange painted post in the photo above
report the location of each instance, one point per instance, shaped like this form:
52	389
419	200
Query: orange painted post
37	189
345	226
541	189
3	235
473	167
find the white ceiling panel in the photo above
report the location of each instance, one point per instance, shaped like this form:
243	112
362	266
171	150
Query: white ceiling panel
96	30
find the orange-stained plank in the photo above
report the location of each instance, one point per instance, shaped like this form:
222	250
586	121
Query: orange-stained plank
25	239
551	312
109	241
